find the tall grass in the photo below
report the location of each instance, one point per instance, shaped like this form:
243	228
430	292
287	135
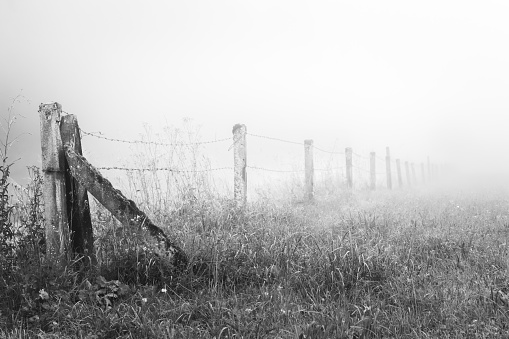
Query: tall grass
404	264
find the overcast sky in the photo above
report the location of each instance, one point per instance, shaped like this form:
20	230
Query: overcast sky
424	77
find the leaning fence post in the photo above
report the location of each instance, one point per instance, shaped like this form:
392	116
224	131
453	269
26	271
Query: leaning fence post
407	171
54	190
309	167
372	170
78	208
239	165
388	168
349	171
398	168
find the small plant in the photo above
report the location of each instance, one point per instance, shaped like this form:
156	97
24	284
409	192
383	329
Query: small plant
6	208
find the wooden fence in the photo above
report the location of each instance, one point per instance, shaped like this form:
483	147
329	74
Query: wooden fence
68	177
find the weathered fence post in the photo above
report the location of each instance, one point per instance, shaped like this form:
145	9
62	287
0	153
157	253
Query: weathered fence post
123	209
423	173
407	171
78	208
398	168
388	168
349	170
239	165
54	190
429	169
309	169
372	170
414	176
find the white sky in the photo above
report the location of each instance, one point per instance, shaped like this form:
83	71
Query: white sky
424	77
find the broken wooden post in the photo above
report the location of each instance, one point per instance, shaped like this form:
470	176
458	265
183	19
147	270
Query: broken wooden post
54	191
239	165
349	163
78	208
388	168
309	169
398	168
407	171
372	170
122	208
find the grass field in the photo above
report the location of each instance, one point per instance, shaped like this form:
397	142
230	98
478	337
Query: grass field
408	264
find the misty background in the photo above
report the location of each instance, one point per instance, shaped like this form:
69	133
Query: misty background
425	78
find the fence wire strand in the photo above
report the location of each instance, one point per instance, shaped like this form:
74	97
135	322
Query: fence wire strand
330	152
275	139
153	142
360	156
292	142
169	169
274	170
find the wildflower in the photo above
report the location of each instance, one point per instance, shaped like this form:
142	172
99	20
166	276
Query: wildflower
143	300
43	294
164	290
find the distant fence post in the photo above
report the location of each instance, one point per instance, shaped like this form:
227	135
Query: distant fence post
423	173
429	169
388	167
54	190
407	171
239	165
398	168
309	167
414	176
372	170
349	171
78	208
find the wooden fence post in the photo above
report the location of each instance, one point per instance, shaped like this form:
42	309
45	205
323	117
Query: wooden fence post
309	167
423	173
123	209
414	176
372	170
239	165
388	168
429	169
54	190
349	170
398	168
407	171
78	208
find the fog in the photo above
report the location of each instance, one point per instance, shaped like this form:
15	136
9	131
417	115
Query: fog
428	79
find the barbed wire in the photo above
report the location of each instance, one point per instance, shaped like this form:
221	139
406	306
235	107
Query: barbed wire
328	169
152	142
169	169
273	170
360	156
293	142
361	168
293	171
330	152
275	139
